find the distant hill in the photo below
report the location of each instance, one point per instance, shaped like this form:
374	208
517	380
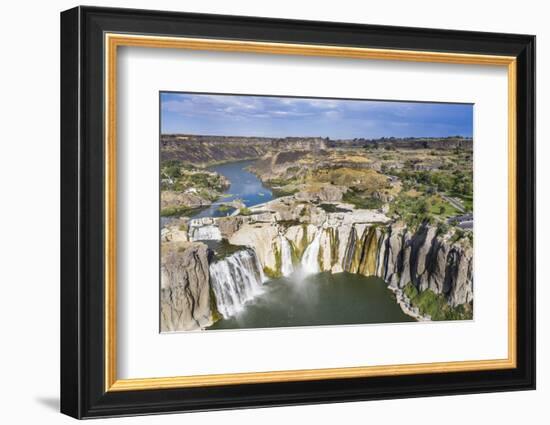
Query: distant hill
407	143
204	149
200	149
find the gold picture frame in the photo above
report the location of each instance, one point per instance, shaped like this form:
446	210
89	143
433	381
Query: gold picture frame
114	41
91	40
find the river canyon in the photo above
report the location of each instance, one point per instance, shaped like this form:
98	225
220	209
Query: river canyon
259	256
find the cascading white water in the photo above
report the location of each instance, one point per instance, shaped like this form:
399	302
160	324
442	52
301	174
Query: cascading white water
235	280
287	268
310	260
205	233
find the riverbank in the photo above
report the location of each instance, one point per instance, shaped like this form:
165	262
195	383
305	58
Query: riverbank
406	306
316	232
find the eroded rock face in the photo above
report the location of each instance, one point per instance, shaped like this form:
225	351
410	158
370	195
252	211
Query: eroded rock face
185	287
300	236
357	241
263	238
422	258
229	225
176	231
173	199
389	251
324	193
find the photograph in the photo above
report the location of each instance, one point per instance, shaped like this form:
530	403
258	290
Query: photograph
285	210
281	211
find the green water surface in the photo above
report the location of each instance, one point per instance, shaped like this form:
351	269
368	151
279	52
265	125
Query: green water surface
320	299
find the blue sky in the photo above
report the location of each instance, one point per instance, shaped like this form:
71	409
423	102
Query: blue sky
235	115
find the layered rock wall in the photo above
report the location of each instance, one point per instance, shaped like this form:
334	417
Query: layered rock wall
359	242
389	251
185	295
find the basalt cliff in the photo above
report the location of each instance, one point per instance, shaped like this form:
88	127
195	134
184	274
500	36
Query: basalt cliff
185	295
289	234
206	149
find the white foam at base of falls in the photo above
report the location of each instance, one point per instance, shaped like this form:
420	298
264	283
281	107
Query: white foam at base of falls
235	280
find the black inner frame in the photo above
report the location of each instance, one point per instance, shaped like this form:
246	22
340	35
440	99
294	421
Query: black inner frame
82	209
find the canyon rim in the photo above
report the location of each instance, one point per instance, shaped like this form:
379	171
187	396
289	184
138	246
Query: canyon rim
287	211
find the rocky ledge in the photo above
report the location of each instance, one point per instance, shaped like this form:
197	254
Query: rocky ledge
186	298
413	262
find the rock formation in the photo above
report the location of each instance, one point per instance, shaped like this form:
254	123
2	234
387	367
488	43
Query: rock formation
360	241
185	297
285	234
173	199
200	149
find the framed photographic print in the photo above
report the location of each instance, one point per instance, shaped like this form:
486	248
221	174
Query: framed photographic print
261	212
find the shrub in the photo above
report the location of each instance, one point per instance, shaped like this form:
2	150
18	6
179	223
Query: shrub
172	211
459	234
410	291
435	305
442	228
361	201
245	211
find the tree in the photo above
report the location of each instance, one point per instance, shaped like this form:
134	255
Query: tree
422	207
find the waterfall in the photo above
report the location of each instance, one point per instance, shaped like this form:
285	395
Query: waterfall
367	265
286	257
205	233
310	259
235	280
350	250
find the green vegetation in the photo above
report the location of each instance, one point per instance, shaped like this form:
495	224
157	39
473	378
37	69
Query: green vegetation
331	208
285	224
283	186
272	274
171	169
415	207
334	242
225	208
459	234
440	207
442	228
453	176
457	182
223	248
362	200
279	182
177	211
216	315
245	211
278	260
435	305
281	191
179	177
413	210
468	202
294	254
298	248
